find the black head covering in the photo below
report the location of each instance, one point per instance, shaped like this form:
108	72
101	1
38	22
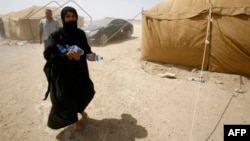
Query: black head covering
71	25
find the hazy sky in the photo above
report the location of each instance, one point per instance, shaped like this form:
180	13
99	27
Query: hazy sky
97	9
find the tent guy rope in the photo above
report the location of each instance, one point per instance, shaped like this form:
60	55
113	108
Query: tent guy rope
202	67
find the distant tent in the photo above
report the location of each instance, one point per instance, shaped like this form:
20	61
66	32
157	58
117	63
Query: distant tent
24	24
1	28
175	31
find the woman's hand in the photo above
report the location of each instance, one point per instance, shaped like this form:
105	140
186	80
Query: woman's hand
74	55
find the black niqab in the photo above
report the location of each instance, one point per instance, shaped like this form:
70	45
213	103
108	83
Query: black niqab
70	25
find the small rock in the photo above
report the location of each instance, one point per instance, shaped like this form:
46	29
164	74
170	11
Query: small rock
219	82
237	90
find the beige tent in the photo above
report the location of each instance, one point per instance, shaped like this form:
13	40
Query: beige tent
24	24
179	31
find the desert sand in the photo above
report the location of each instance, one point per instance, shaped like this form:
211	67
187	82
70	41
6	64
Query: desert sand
132	102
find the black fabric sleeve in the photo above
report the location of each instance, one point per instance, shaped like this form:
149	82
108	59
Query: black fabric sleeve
86	46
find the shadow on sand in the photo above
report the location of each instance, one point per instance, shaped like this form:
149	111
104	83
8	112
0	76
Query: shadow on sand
124	129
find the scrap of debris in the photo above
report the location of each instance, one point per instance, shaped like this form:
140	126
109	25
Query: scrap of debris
168	75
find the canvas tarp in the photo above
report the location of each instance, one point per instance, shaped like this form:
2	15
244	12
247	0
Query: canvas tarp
175	32
24	24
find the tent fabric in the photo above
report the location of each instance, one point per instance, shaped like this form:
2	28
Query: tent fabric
175	31
231	7
24	24
230	44
175	41
181	9
177	9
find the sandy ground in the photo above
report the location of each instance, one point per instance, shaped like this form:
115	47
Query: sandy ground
132	101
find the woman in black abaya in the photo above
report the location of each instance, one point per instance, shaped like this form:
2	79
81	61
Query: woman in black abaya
71	88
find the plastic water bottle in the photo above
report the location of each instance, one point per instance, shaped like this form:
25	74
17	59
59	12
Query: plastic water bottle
62	49
98	57
65	49
199	79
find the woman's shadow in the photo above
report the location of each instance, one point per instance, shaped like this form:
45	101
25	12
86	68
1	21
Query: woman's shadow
124	129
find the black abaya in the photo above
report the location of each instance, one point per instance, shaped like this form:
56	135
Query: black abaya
71	88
